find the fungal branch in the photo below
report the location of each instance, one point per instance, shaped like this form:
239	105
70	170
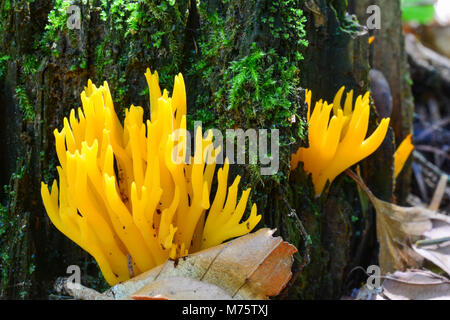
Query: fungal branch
402	154
339	143
122	195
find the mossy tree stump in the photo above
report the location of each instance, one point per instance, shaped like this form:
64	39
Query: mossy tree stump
245	64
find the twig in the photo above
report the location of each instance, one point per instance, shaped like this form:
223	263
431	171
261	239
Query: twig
434	150
438	194
435	171
361	184
305	236
306	239
435	126
364	200
430	242
360	269
417	170
431	172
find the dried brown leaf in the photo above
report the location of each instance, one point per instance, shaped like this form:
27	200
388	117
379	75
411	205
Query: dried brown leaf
437	247
416	285
255	266
398	228
180	288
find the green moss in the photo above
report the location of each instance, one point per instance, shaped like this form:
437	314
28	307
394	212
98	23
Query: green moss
146	26
102	58
3	219
252	87
285	21
10	224
247	88
3	64
57	21
25	105
30	65
4	13
347	23
257	88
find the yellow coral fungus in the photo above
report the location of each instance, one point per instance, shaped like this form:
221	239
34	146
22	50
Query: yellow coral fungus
402	153
339	143
122	196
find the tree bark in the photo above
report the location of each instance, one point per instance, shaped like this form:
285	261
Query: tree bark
388	56
213	44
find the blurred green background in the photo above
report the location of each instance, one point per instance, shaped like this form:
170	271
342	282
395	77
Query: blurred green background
420	11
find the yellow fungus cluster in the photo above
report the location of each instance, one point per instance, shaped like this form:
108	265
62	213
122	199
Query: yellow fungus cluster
402	153
339	143
124	198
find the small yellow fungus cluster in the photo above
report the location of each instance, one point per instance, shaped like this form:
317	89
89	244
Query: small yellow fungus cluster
123	198
402	154
339	143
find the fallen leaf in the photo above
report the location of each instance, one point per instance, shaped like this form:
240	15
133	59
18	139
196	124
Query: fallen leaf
144	297
437	247
398	228
255	266
179	288
416	285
